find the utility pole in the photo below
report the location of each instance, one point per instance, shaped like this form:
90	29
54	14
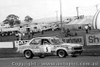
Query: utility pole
61	16
77	10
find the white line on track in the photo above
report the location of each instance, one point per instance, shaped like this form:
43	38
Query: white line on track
8	58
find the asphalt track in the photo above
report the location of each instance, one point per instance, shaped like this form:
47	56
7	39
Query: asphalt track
81	61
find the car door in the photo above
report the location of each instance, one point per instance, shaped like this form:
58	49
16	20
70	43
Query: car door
45	46
35	45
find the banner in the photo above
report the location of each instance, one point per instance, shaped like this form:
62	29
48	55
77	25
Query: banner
78	40
6	44
20	42
93	39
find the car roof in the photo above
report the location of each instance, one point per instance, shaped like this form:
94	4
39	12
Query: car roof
46	37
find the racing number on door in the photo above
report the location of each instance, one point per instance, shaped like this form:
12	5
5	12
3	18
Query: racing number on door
46	49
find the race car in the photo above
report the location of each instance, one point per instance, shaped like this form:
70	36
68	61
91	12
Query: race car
47	46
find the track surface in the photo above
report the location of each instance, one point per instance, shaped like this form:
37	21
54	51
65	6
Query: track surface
81	61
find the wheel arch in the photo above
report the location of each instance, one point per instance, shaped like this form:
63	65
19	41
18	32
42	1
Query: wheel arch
27	50
61	49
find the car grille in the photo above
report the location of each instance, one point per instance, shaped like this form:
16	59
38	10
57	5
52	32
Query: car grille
77	48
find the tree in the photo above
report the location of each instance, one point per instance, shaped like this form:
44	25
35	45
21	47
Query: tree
28	19
17	22
12	20
5	21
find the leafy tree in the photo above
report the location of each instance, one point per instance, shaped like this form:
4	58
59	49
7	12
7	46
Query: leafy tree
28	19
17	22
12	20
5	21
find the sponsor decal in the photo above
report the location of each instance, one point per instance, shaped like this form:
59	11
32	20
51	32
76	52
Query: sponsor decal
93	39
78	40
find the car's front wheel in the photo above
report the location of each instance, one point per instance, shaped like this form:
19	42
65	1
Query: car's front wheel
62	53
28	54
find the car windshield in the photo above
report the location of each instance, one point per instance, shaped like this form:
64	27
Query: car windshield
56	41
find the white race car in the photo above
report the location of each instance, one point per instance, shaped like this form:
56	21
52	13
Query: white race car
44	46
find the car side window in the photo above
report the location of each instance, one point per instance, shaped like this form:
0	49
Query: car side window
35	42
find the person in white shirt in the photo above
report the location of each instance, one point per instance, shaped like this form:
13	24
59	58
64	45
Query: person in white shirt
86	28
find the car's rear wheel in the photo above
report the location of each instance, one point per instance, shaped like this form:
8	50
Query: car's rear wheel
28	54
61	53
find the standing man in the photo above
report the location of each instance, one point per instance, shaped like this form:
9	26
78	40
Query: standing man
18	35
86	28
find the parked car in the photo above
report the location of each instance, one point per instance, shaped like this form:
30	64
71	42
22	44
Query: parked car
45	46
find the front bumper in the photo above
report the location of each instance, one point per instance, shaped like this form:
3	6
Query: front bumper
75	52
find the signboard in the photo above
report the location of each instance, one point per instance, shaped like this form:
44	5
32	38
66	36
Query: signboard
20	42
78	40
6	44
93	39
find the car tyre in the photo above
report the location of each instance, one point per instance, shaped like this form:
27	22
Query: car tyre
28	54
62	53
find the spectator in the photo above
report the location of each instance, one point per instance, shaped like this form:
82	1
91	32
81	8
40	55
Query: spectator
22	35
68	32
18	35
86	28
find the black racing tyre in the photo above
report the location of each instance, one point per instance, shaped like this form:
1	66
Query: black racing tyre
28	54
61	53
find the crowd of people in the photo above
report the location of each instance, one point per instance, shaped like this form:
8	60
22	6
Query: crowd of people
30	34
